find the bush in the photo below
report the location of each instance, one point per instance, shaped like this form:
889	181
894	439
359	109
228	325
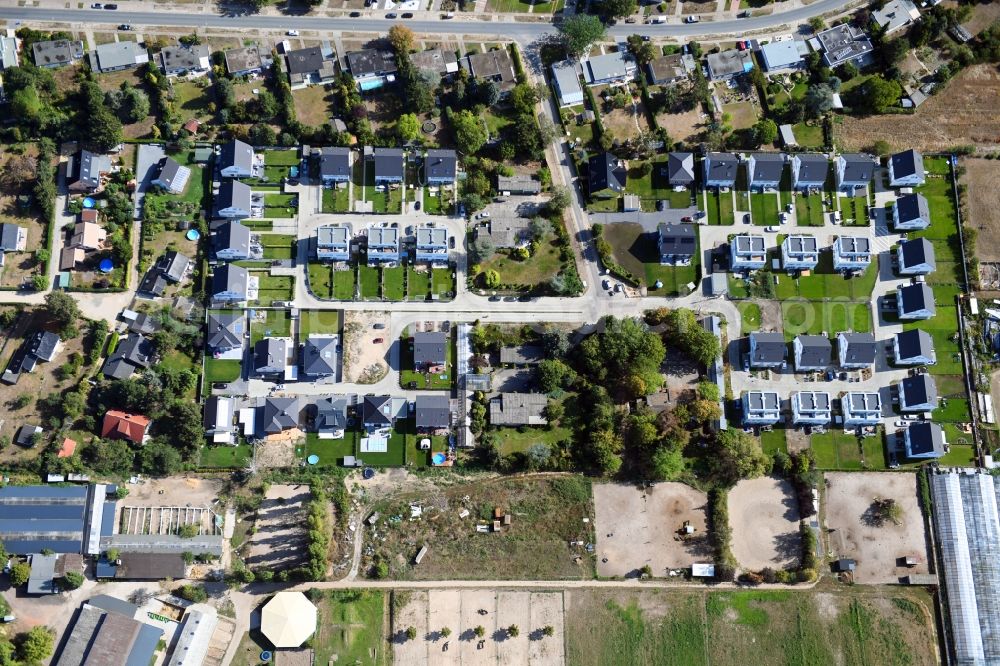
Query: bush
718	518
193	593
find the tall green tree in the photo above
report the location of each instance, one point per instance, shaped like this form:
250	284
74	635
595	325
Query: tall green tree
468	130
580	32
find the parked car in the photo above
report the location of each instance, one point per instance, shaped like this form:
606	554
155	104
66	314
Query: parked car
355	14
451	242
378	326
407	15
111	6
772	228
292	33
124	26
692	19
97	5
746	218
416	205
391	15
378	341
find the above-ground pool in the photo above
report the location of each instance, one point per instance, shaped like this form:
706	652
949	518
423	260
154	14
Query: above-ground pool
88	202
106	265
438	458
192	234
313	459
368	473
293	171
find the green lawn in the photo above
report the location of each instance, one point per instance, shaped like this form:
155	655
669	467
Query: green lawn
512	440
393	288
395	456
343	284
750	315
824	284
417	457
637	252
808	136
425	380
809	210
225	456
418	284
764	208
336	200
385	201
278	246
320	279
279	213
813	318
720	208
221	370
282	157
277	324
773	441
275	288
350	628
652	186
524	275
368	276
442	283
318	321
331	452
836	449
278	200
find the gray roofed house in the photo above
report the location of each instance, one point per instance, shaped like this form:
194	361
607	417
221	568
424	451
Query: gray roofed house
566	81
760	407
26	435
43	574
433	412
494	65
231	241
133	353
924	439
56	53
246	60
234	200
370	63
432	244
811	408
172	177
609	68
12	238
319	355
430	351
861	408
764	170
809	170
333	242
236	159
217	418
522	355
680	169
606	175
853	170
852	253
225	331
911	213
170	267
728	64
799	252
116	56
747	252
915	301
518	184
443	62
515	409
270	356
767	350
383	245
906	169
184	59
720	169
440	166
388	165
335	164
913	347
856	350
667	69
229	283
895	15
812	352
381	411
845	43
676	244
917	393
916	257
84	170
275	415
313	64
505	232
331	417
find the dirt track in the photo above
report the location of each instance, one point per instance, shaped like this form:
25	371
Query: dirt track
764	517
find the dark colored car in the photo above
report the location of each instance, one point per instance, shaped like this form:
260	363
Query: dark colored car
407	15
391	15
355	14
111	6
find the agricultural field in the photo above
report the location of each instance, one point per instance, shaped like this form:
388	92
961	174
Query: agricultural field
981	177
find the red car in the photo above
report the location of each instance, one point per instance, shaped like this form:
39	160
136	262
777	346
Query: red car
377	341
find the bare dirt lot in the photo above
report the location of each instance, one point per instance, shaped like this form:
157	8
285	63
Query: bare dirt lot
365	360
177	491
983	15
637	527
764	517
162	506
279	540
625	123
460	610
938	124
877	550
981	177
685	126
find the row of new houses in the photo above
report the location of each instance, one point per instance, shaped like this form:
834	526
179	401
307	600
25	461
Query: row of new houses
333	243
855	351
800	252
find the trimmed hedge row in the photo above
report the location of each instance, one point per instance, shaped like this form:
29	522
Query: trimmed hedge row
607	257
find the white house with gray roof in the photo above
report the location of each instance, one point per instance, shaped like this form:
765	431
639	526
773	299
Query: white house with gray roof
861	408
383	246
230	283
911	213
915	257
760	407
856	351
116	56
432	243
809	171
609	69
906	169
767	350
517	409
917	394
232	242
764	170
333	242
811	408
720	169
566	81
812	353
852	253
320	355
234	200
913	347
680	169
895	15
747	252
853	171
184	60
915	301
236	160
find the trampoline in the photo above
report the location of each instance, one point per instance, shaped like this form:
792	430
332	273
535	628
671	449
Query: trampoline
368	473
313	459
438	458
88	202
106	265
192	234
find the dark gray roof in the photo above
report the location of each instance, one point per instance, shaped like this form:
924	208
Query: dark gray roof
861	347
56	52
87	168
270	353
749	244
43	344
43	574
433	411
144	324
914	343
8	236
377	409
857	168
680	168
335	161
767	166
135	351
230	278
798	244
319	355
918	390
768	347
915	252
925	437
232	236
34	518
388	163
172	58
331	414
153	283
813	167
721	166
225	329
815	350
26	434
234	194
915	297
236	153
430	348
762	400
911	207
370	62
522	355
518	409
172	175
606	172
854	244
276	415
305	61
677	239
441	164
211	413
907	163
173	264
106	634
813	401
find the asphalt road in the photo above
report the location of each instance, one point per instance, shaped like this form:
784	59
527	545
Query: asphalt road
522	32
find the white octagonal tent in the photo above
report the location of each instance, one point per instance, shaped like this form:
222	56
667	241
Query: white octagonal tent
288	619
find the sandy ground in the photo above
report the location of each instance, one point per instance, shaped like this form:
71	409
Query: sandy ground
981	177
682	126
172	492
848	496
364	360
429	611
636	528
279	540
764	517
983	15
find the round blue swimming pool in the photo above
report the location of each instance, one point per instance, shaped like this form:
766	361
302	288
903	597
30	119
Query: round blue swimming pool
438	458
88	202
193	234
106	265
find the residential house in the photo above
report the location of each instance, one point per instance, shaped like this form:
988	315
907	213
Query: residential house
271	356
247	60
234	200
799	253
273	416
84	171
140	322
218	419
720	169
441	62
851	253
853	171
767	350
9	48
728	64
607	175
133	353
913	347
518	184
231	242
505	232
676	244
41	346
440	167
67	448
747	253
171	267
230	284
613	68
56	53
116	56
764	170
924	440
432	244
88	236
667	70
495	66
122	425
184	60
333	242
521	356
371	67
906	169
380	412
915	301
911	213
894	16
917	393
430	352
760	408
330	420
12	238
915	257
334	165
320	355
433	413
680	169
225	331
784	56
856	351
237	160
812	353
383	246
811	408
313	64
809	171
845	43
861	408
566	81
518	409
388	164
172	177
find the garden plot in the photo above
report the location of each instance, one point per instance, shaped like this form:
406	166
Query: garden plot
764	517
